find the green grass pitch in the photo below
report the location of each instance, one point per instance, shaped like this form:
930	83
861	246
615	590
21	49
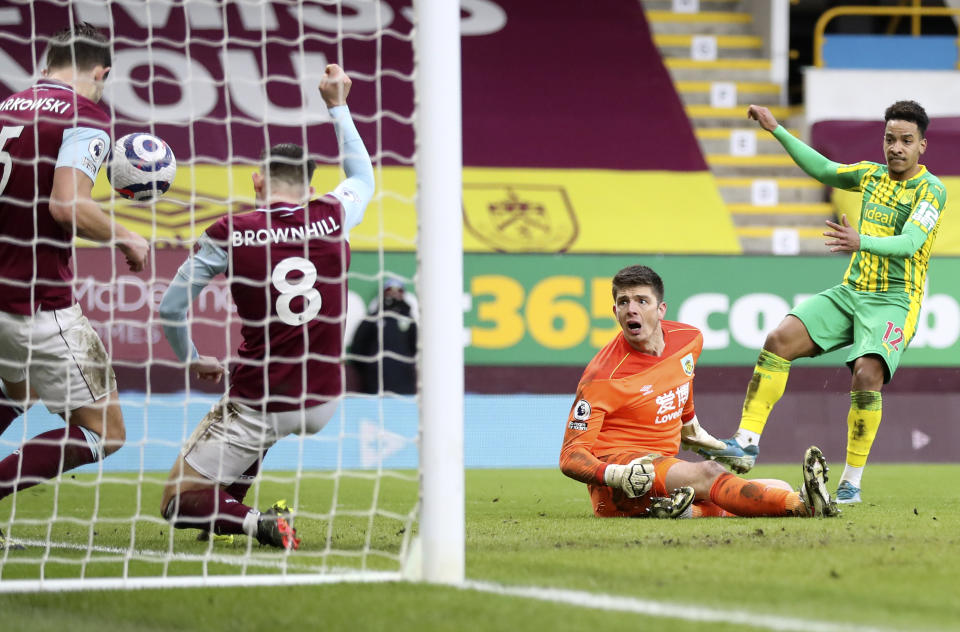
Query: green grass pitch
889	563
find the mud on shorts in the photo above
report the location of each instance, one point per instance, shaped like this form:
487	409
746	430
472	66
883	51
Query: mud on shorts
60	356
232	436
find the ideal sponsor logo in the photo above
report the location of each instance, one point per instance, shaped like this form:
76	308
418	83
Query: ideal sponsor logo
880	214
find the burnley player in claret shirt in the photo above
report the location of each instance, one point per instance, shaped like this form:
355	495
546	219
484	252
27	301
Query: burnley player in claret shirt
53	140
287	266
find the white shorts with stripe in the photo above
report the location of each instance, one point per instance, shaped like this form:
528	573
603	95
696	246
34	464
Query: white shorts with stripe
60	356
232	436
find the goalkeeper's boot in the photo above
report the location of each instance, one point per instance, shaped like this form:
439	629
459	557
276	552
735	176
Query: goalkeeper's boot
679	504
216	538
814	492
275	528
848	493
7	543
734	456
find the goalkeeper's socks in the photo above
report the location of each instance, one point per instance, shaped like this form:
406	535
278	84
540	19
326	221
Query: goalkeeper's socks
45	456
750	498
198	508
765	389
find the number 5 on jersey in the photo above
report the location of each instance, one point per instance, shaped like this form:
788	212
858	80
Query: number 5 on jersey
8	132
301	287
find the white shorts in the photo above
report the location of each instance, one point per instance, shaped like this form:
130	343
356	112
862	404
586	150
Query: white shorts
232	436
60	356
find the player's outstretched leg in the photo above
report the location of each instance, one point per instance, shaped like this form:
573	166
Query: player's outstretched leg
677	505
766	388
738	458
814	492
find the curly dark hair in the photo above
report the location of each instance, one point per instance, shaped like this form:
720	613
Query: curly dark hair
81	45
636	275
908	111
288	163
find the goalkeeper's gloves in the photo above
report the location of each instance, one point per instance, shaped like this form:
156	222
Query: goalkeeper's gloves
693	437
635	478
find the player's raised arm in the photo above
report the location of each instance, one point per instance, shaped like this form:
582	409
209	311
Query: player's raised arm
357	190
815	164
194	274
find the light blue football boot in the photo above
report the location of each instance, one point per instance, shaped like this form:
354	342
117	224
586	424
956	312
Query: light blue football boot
848	493
735	457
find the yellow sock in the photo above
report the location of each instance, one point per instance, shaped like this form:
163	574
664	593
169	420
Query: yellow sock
766	387
863	420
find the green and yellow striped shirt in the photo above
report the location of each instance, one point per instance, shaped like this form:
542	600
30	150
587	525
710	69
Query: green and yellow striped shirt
899	220
889	208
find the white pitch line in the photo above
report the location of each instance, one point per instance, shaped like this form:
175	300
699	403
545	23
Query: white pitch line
667	609
189	581
167	555
583	599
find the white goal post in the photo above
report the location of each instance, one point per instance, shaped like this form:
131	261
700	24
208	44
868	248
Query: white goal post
441	284
193	72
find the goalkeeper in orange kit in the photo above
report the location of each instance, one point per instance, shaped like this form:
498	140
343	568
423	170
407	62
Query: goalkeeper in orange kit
634	408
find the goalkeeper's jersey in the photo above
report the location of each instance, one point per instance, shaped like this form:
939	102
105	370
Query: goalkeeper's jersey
887	207
628	401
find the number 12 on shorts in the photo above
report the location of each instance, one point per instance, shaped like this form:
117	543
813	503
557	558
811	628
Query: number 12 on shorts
897	336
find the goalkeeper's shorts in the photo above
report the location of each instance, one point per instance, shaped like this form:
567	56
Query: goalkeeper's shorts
613	503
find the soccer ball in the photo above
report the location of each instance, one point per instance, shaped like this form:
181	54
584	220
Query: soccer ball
141	167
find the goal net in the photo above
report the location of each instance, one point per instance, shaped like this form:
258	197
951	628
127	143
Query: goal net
220	80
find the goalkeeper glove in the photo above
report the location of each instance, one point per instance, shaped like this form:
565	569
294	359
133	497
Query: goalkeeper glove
693	437
635	478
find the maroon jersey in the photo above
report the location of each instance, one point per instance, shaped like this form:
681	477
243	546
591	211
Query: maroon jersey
35	250
287	267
